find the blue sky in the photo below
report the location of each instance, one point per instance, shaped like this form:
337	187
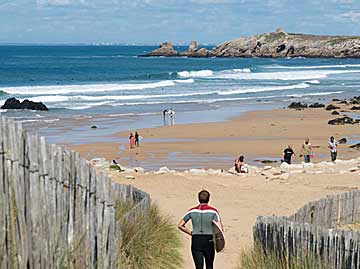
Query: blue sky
179	21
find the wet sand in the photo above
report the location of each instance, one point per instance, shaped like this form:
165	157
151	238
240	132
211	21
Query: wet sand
256	135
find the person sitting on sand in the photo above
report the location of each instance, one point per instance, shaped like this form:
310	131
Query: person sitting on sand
132	141
333	148
240	165
202	242
288	153
306	150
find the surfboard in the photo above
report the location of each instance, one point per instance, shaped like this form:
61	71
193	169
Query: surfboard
219	238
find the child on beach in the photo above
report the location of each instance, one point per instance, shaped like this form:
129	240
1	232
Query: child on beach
132	141
240	165
332	145
306	150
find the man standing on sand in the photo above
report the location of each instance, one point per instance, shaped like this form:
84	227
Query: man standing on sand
306	150
202	243
136	139
333	148
288	153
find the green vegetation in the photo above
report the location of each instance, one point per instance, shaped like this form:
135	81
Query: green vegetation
256	259
115	167
149	240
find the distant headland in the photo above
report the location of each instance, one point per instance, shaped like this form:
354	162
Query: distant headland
277	44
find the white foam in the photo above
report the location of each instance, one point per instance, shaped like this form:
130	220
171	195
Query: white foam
195	74
64	89
313	66
264	89
84	106
190	80
242	70
132	97
315	81
314	94
291	75
48	98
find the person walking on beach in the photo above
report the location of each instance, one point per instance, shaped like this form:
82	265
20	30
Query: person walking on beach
240	165
288	153
333	148
202	243
137	139
306	150
132	141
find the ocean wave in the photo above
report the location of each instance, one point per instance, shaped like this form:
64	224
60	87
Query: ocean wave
65	89
209	73
314	94
242	70
195	74
190	80
312	66
85	105
291	75
315	81
246	74
264	89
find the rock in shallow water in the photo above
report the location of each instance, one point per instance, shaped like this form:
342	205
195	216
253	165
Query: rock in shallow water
343	120
331	107
13	103
297	105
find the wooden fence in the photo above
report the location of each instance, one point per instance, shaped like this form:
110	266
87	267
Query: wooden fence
313	229
55	210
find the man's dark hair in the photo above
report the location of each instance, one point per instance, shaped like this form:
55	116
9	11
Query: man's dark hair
241	158
204	197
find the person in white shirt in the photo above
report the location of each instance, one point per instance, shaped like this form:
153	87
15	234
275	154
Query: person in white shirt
333	148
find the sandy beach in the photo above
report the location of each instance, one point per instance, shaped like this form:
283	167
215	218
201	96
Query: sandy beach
264	191
257	135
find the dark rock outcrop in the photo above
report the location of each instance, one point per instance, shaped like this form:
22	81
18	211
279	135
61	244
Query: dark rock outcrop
331	107
277	45
343	121
316	105
166	49
335	113
297	105
13	103
356	146
343	140
355	100
355	108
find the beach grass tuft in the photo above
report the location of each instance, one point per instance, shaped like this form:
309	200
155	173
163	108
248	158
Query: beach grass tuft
149	240
255	258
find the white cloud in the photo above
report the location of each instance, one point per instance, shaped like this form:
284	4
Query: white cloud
353	16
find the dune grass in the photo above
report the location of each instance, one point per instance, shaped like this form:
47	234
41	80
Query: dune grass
149	241
256	259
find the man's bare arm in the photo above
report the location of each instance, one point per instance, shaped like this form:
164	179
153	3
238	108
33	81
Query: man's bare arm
182	227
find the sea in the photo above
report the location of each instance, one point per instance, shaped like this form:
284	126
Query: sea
115	89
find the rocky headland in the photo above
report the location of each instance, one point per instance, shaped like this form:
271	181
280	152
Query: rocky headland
277	44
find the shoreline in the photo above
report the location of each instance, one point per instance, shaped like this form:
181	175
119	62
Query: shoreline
258	135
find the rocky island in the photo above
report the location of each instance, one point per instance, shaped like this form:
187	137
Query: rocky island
277	44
